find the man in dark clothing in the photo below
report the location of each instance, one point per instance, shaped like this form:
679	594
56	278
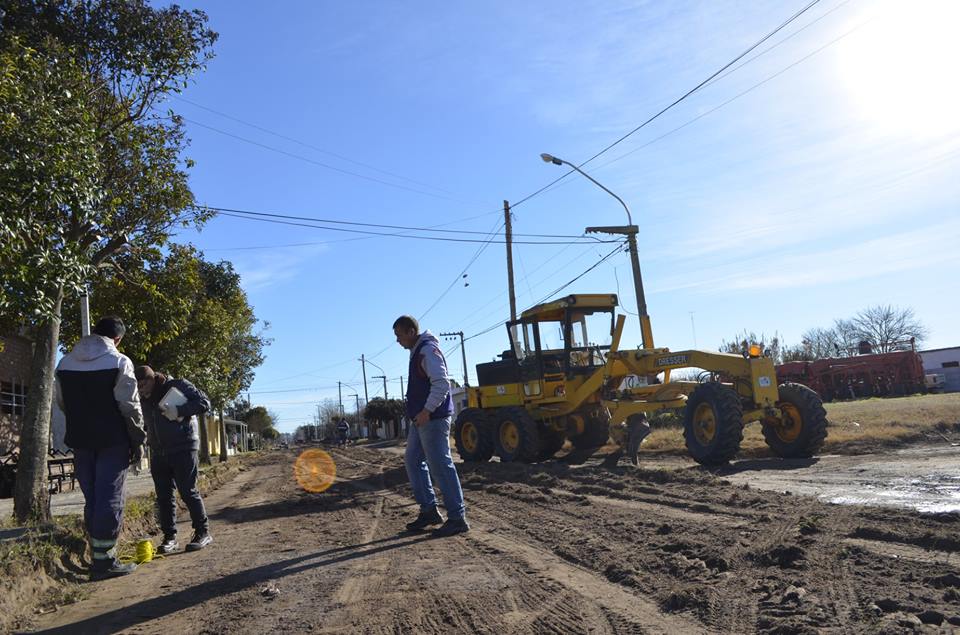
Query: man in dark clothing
343	428
170	407
96	390
430	408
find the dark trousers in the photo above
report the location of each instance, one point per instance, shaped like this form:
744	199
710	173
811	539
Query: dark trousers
101	474
177	469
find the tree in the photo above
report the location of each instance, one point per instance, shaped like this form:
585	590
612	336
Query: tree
81	181
270	434
771	346
383	410
259	419
888	328
186	317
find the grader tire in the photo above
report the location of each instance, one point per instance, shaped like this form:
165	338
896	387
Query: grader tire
713	424
473	435
516	438
803	427
550	443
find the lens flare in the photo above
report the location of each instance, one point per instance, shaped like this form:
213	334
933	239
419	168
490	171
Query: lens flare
315	470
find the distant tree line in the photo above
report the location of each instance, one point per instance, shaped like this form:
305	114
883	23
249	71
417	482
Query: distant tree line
884	327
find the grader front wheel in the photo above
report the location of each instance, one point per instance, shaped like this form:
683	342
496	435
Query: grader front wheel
713	423
473	435
802	427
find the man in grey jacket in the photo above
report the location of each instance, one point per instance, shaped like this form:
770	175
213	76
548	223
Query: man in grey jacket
430	407
174	439
97	392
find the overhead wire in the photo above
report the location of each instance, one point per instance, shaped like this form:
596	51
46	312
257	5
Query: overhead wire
312	147
672	104
277	221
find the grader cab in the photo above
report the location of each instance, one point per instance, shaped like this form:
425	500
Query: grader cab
565	377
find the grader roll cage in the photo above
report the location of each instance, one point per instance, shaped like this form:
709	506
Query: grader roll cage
554	384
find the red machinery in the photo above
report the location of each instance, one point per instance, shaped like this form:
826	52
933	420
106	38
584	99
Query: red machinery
871	375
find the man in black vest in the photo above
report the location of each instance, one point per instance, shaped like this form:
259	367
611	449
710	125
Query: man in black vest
173	435
96	390
430	407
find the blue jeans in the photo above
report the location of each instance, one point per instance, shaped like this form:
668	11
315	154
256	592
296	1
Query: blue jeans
101	474
428	452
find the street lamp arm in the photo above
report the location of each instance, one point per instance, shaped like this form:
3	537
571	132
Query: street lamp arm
549	158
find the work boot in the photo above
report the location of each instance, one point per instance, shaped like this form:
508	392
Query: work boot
169	545
425	519
103	569
452	527
200	540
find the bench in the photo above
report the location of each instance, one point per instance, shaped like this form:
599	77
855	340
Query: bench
60	471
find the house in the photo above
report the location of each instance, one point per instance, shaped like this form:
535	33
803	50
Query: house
945	362
16	354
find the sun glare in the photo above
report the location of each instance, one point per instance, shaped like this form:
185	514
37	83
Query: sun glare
902	70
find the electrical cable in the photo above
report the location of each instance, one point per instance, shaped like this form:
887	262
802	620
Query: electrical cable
381	226
674	103
321	163
403	235
312	147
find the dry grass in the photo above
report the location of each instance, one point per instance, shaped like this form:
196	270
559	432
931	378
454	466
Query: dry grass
856	426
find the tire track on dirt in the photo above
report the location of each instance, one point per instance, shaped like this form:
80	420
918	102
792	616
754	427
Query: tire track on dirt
598	595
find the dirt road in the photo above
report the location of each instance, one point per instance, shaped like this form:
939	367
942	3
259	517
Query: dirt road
555	548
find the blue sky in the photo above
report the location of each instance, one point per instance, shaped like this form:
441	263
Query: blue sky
817	179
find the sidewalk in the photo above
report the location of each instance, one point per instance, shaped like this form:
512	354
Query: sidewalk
68	502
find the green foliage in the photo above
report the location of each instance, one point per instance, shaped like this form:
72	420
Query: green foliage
259	419
186	317
49	180
270	434
379	409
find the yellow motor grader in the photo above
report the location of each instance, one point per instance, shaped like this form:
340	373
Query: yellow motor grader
558	382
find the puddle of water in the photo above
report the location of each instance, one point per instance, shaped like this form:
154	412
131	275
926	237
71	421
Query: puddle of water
928	493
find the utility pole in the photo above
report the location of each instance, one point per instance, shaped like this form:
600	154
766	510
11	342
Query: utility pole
509	240
85	312
384	378
463	352
363	363
403	393
340	397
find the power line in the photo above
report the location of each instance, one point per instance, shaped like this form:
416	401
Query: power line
435	229
321	163
312	147
403	235
673	103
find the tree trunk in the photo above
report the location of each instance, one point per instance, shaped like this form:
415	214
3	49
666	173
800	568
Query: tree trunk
223	437
31	502
204	441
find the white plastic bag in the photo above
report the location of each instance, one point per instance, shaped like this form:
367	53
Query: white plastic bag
168	405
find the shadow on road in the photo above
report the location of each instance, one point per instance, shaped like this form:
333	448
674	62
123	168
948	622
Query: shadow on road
756	465
129	616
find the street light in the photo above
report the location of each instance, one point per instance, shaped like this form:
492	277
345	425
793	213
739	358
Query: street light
630	231
549	158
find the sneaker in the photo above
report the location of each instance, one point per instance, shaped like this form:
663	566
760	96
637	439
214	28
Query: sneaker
452	527
425	519
169	545
103	569
200	540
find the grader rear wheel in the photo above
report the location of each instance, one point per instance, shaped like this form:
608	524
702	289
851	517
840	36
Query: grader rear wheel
713	423
802	427
473	435
517	438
